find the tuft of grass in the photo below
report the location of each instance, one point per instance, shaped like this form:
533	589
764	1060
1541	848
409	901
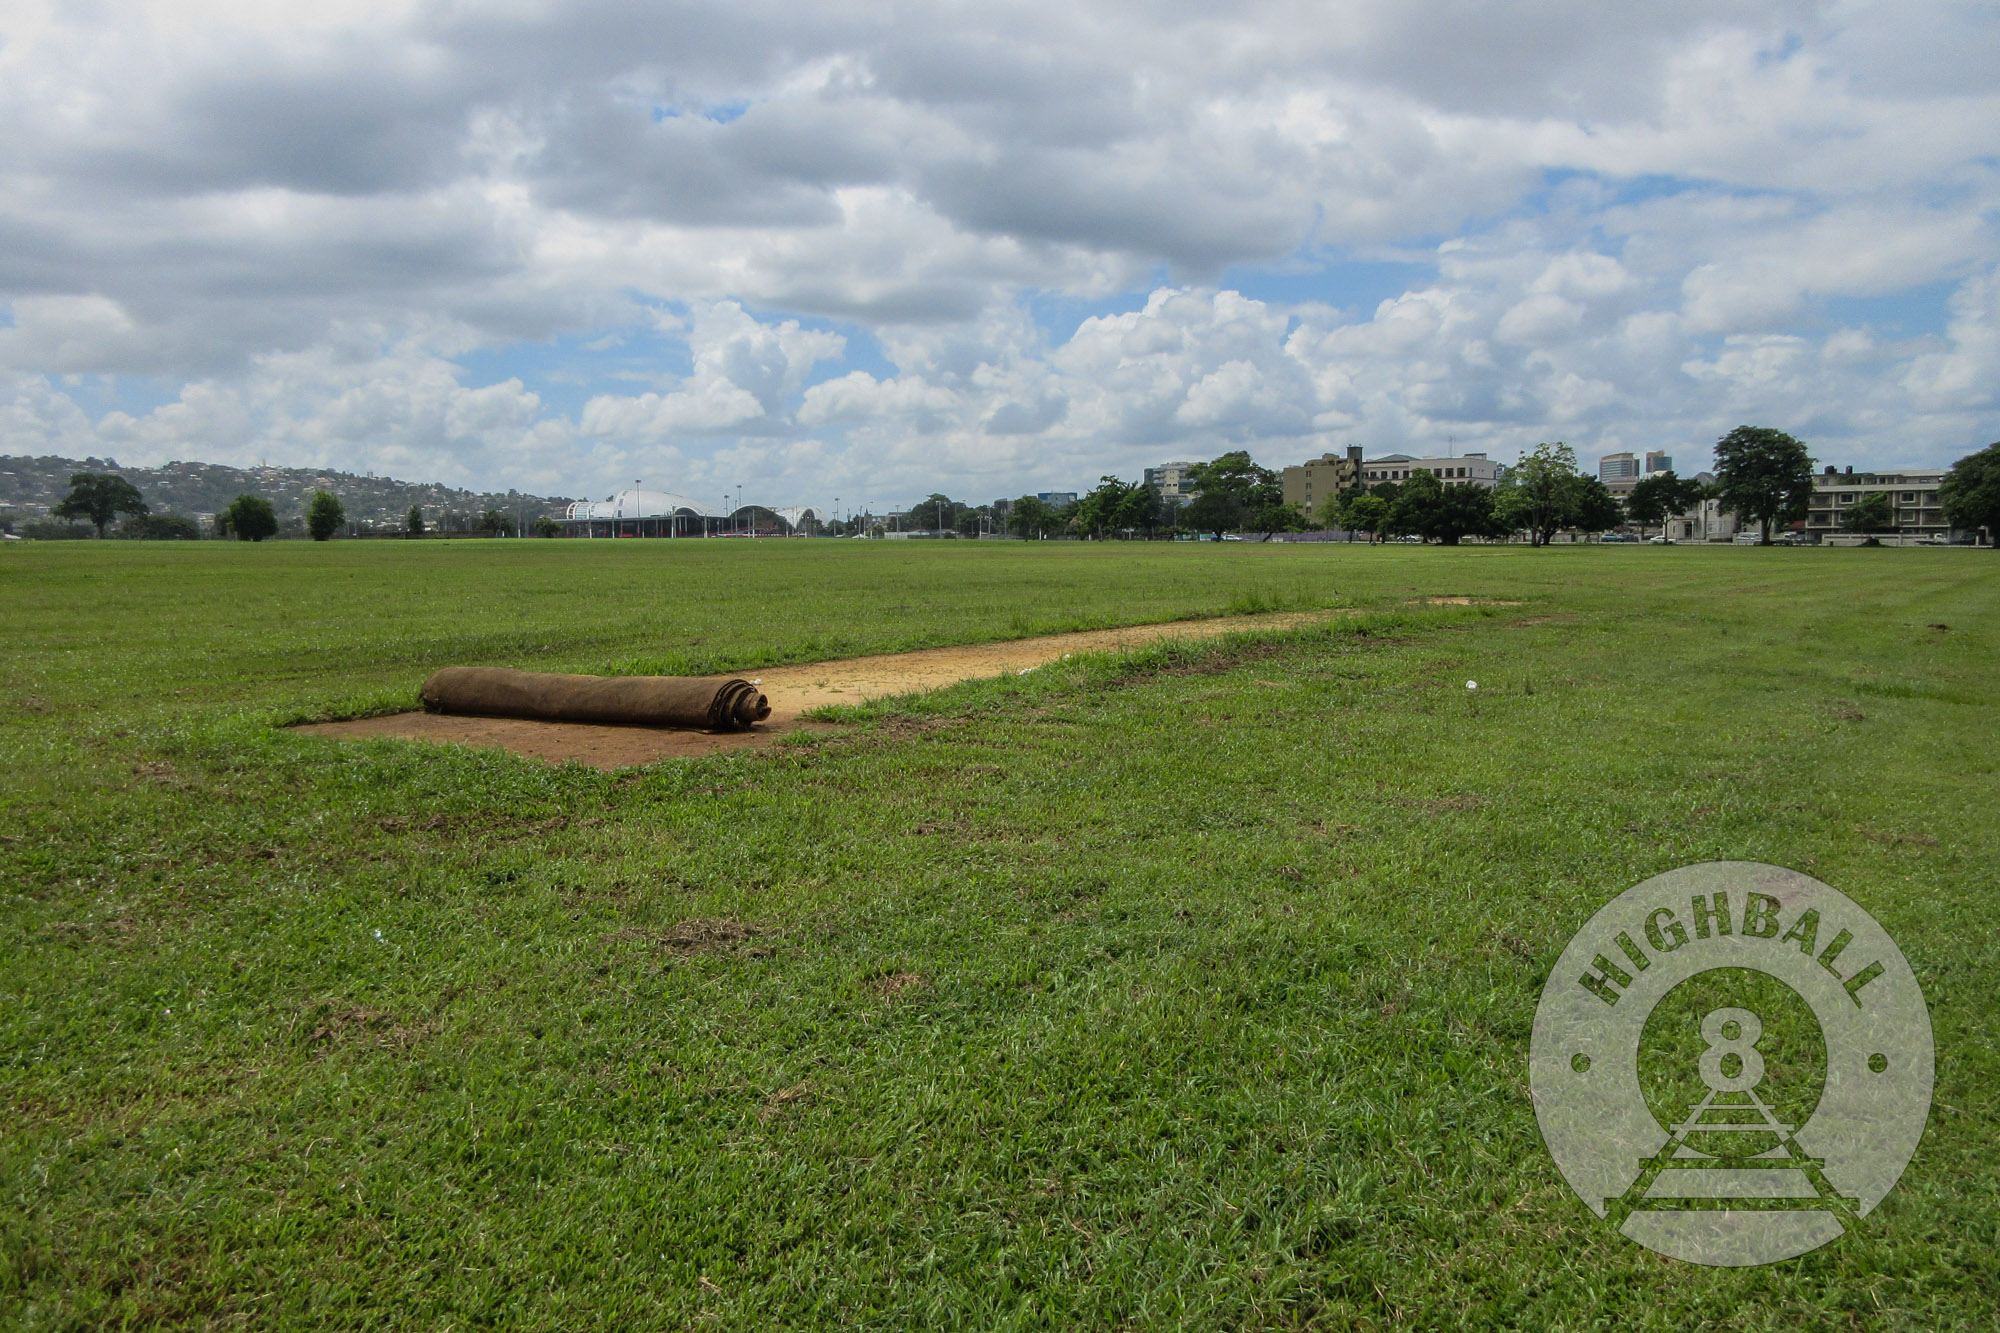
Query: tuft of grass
1255	602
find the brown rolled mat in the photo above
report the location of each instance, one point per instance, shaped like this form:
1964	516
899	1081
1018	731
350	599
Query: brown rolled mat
707	703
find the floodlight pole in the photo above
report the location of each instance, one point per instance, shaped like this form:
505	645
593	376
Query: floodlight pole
637	530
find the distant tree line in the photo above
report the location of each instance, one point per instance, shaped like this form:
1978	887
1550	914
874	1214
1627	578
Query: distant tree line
99	499
1762	475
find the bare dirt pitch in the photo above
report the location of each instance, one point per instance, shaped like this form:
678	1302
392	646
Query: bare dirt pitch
793	691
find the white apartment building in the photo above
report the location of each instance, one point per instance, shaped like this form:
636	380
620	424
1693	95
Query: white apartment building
1473	469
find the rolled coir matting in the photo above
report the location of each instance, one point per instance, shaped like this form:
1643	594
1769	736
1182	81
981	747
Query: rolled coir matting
706	703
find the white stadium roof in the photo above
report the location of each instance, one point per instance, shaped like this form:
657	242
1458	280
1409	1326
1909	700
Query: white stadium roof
637	504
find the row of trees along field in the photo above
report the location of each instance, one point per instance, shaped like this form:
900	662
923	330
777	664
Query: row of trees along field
100	498
1763	476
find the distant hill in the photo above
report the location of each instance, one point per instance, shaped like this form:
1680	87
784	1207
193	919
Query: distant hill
29	486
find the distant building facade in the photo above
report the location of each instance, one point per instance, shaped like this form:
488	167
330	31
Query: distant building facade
1614	469
1657	462
1912	492
1707	521
1056	499
1472	469
1171	481
1316	485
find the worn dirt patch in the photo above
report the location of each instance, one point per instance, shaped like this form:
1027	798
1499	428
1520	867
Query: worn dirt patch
793	691
797	690
897	983
800	689
336	1022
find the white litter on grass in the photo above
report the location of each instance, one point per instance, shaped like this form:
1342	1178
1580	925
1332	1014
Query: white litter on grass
1471	684
1024	671
378	934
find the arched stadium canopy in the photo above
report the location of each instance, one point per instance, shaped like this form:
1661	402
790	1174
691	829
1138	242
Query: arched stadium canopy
640	506
643	504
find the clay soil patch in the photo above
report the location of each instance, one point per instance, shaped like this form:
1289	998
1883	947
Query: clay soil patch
793	691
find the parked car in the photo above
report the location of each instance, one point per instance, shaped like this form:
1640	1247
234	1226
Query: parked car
1660	541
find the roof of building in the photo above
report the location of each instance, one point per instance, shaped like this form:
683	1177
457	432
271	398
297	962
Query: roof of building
634	504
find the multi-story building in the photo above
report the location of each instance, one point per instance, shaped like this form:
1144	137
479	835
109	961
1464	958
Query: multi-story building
1171	481
1619	469
1476	469
1912	492
1657	462
1316	484
1056	499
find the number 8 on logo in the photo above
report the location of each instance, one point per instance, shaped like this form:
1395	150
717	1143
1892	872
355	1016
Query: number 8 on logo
1732	1062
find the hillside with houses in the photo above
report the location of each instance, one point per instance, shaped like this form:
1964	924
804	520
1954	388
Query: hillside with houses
30	486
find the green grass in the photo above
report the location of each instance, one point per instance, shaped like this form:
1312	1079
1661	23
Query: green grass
1186	988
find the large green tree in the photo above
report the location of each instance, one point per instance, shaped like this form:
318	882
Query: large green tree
1235	492
1277	518
937	512
249	518
1140	510
1234	473
1596	507
1763	476
414	523
161	528
1429	509
1216	511
1108	507
1971	492
99	497
1542	494
1871	513
1660	497
324	515
1361	511
1031	517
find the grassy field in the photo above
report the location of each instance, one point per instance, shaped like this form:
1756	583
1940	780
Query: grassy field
1189	988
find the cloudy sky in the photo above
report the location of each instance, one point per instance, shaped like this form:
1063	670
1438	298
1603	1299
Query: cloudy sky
873	249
